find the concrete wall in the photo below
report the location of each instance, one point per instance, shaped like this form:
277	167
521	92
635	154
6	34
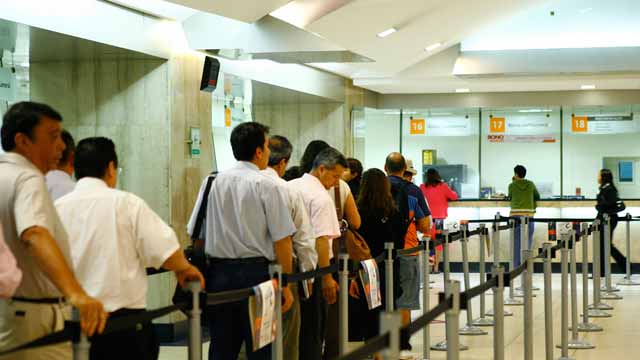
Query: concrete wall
302	123
125	100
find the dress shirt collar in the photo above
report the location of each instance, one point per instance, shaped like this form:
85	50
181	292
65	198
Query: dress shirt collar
312	179
247	165
270	172
60	173
18	159
91	183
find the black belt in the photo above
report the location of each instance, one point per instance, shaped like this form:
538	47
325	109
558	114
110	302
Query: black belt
59	300
241	261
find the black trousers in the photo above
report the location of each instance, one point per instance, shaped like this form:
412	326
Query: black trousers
313	323
229	323
139	342
620	259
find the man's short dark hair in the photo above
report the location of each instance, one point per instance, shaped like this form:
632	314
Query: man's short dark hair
69	147
23	117
395	163
330	158
520	170
281	149
93	156
355	166
246	138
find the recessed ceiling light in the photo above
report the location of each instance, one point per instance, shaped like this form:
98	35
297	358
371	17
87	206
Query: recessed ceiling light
462	90
433	46
587	87
387	32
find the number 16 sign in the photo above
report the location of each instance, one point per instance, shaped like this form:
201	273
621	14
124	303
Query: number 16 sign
417	127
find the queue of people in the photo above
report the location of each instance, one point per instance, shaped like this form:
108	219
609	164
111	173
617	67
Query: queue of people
89	249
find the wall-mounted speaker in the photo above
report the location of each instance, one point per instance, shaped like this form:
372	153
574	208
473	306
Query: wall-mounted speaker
210	74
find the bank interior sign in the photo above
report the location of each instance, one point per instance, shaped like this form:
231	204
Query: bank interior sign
7	85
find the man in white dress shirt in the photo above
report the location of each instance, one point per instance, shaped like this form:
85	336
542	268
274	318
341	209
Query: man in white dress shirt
247	226
114	237
327	169
59	180
303	241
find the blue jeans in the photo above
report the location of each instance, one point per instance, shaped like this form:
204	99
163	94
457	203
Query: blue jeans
517	251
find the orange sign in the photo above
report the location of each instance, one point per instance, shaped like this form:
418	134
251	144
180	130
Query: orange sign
227	117
579	124
417	127
497	124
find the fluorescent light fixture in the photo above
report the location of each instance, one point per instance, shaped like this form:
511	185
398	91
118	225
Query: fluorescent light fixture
463	90
433	46
587	87
387	32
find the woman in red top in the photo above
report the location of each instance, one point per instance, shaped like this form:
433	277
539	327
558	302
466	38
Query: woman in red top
438	195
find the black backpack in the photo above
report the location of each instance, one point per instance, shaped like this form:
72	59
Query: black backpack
403	220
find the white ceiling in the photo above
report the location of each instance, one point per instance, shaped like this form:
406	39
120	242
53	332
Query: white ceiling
401	64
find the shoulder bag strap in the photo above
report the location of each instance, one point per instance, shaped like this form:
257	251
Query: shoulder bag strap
202	211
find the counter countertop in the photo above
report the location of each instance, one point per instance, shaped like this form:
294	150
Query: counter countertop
551	203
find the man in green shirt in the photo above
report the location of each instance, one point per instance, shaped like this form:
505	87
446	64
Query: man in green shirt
523	195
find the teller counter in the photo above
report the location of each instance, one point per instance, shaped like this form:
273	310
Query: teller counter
487	209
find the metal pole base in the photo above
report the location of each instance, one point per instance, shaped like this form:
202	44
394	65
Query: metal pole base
627	282
565	358
442	346
610	296
588	327
597	313
513	301
577	344
483	322
600	306
471	330
505	313
608	290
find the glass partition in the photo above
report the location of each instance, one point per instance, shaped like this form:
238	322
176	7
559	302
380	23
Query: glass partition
601	137
376	133
521	136
445	139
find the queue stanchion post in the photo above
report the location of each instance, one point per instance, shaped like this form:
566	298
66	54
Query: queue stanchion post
607	291
527	243
496	254
388	280
391	322
527	282
452	317
575	342
445	345
426	338
548	301
195	329
564	308
469	328
596	309
498	306
482	320
513	299
628	279
585	325
277	348
343	310
81	345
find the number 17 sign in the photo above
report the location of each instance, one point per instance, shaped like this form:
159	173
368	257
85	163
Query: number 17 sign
417	127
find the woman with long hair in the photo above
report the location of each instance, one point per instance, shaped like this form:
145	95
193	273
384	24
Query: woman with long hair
438	195
607	200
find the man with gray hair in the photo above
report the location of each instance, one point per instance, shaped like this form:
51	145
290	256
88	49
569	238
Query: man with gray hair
327	169
305	256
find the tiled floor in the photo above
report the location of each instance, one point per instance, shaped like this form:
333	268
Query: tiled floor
619	340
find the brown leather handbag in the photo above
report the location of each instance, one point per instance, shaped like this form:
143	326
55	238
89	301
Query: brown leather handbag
351	240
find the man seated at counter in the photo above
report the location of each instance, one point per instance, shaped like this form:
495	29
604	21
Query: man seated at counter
523	195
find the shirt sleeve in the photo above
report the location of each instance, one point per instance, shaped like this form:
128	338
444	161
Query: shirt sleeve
451	195
276	204
156	241
324	219
418	214
304	244
33	205
10	274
